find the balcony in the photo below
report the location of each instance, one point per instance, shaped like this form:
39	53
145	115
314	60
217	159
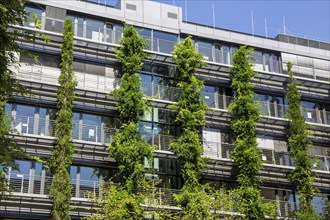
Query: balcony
82	133
218	151
38	187
109	38
101	135
215	100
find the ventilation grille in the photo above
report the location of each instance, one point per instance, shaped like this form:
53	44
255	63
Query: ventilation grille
172	15
131	7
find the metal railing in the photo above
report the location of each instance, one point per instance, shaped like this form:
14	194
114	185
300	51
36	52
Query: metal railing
108	35
82	132
162	92
162	141
40	185
50	75
215	150
32	125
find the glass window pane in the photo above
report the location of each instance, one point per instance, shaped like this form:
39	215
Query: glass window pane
164	42
73	173
205	48
91	130
23	167
89	173
24	122
225	56
95	29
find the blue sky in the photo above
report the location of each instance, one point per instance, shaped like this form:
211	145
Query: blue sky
306	18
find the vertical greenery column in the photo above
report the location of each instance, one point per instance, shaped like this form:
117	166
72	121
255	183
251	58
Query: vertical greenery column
61	158
191	111
302	175
245	115
127	146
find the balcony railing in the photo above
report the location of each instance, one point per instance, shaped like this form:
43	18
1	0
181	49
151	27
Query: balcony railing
162	92
40	185
102	134
33	185
215	150
82	132
108	35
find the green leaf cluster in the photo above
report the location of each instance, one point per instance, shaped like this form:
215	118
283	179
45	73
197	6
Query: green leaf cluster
118	204
61	158
245	115
129	95
129	150
127	146
302	176
191	111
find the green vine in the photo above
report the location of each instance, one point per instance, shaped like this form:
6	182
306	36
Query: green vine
245	115
191	111
61	158
302	176
11	12
128	147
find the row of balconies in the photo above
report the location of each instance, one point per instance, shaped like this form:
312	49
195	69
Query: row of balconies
34	186
161	92
102	135
212	55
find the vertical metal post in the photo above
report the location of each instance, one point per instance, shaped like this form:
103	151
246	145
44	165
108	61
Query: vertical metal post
75	27
43	20
42	183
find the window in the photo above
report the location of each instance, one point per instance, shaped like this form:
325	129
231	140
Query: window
28	119
163	42
310	112
210	96
95	29
42	59
92	128
205	48
33	9
165	170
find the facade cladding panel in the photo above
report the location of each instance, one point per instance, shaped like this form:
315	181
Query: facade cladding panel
97	72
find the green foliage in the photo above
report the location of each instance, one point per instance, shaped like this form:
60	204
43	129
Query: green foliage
61	158
11	12
191	113
245	115
129	150
195	204
299	142
129	96
118	204
128	147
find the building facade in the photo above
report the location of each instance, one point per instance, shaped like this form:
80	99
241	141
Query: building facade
97	29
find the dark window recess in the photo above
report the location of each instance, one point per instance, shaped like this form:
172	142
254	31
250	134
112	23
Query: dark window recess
86	67
131	7
42	59
172	15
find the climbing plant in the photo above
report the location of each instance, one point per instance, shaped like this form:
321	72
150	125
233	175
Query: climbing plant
245	115
302	176
11	12
128	147
118	204
61	158
190	117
